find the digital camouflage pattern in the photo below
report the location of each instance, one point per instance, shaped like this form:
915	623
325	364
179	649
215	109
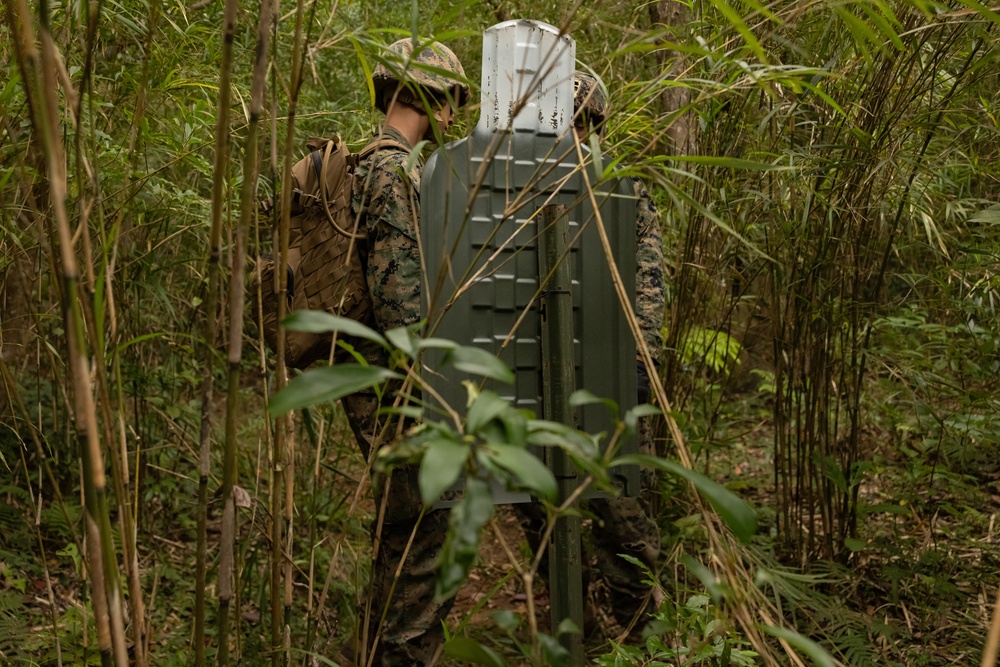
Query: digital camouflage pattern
649	285
386	195
436	68
590	100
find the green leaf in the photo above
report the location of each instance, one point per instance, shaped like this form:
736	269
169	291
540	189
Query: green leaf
854	544
139	339
525	467
633	416
734	511
568	627
736	20
485	407
440	467
461	546
705	576
555	653
507	620
990	216
582	397
470	651
401	338
819	657
322	385
408	411
436	343
318	321
571	440
479	362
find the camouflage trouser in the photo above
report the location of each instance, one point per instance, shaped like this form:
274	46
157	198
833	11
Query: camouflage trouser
620	525
411	631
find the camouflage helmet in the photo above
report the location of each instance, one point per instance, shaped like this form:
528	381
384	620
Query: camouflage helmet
436	69
590	99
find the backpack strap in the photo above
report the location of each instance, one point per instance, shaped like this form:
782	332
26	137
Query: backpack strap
374	145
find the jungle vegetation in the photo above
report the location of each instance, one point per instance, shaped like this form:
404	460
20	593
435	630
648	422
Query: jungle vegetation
828	181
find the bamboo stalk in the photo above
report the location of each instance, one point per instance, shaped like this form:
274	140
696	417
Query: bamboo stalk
39	67
212	319
992	650
283	426
230	469
100	291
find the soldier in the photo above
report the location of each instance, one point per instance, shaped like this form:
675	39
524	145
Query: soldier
621	525
417	92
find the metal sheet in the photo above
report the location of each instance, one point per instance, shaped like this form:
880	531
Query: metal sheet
480	198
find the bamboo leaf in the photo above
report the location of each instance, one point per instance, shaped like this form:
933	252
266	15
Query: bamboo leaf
330	383
737	514
819	656
736	21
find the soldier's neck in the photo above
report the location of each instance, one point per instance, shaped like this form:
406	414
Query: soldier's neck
409	122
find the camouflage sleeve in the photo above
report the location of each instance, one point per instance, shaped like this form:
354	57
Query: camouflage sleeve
393	269
649	271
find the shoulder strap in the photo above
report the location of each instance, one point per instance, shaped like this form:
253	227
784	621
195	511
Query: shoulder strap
375	145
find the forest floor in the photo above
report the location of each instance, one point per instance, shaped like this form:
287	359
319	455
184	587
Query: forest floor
917	588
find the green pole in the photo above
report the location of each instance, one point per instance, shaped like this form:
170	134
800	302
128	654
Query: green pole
559	381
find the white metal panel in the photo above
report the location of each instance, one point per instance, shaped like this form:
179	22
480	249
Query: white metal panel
527	83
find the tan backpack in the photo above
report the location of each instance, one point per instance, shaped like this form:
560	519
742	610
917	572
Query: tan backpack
325	271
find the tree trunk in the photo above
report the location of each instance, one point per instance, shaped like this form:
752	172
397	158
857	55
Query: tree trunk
681	138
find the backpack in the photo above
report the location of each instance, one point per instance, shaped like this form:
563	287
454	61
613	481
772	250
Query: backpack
325	270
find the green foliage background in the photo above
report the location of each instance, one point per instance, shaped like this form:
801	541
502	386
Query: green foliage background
828	179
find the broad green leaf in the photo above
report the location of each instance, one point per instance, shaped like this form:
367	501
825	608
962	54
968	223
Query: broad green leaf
855	544
479	362
322	385
461	546
436	343
819	656
582	397
318	321
567	626
734	511
408	411
469	651
401	338
553	434
485	407
633	416
525	467
440	467
555	654
507	620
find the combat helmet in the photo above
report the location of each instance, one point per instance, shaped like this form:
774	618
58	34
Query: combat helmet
435	68
590	100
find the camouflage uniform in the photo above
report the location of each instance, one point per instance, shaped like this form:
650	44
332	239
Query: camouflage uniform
386	195
621	525
649	286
